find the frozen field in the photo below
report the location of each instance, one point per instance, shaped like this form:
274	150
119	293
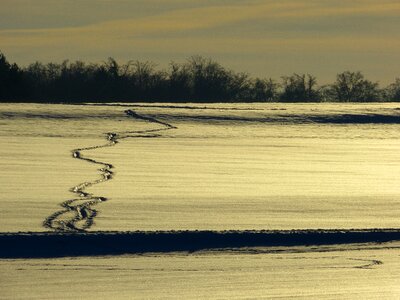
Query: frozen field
263	166
203	167
350	272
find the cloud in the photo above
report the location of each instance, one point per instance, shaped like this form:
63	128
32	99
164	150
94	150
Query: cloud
185	20
179	19
238	29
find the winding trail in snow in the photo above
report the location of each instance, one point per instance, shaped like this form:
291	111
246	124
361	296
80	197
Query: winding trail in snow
78	214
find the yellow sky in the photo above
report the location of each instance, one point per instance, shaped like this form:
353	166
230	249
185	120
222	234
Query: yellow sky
264	38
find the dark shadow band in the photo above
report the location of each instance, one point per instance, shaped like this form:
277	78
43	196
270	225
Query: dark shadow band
53	244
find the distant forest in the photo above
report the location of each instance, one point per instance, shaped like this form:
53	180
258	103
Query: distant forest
199	79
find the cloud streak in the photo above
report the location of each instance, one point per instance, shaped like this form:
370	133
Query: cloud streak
139	31
211	16
216	28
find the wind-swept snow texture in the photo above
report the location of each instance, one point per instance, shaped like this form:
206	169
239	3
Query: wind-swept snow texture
223	167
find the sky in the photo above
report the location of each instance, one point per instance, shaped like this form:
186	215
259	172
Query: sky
264	38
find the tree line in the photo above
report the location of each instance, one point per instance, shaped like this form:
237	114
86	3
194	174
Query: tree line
199	79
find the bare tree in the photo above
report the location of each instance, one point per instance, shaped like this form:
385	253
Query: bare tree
353	87
299	88
392	92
